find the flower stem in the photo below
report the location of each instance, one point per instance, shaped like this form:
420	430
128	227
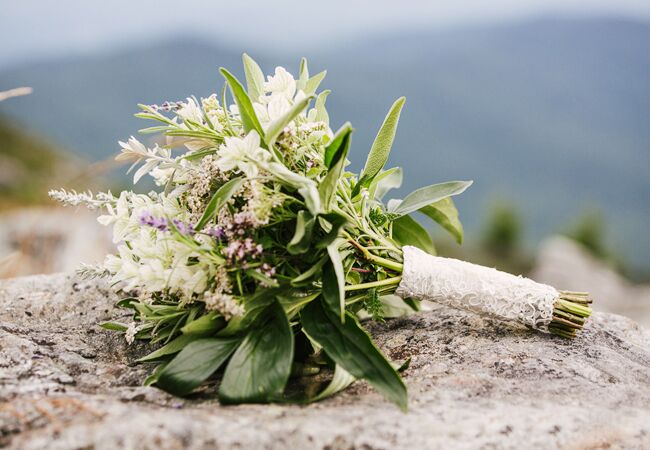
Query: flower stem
374	284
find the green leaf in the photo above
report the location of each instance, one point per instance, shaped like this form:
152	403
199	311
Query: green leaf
333	222
153	377
303	76
218	200
340	381
334	282
280	124
335	158
254	78
428	195
445	213
337	147
246	111
255	306
320	113
306	188
313	83
206	324
406	231
352	348
171	347
385	181
313	270
260	367
114	326
302	236
381	146
194	364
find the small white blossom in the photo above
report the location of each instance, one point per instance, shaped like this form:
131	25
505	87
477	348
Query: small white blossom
242	154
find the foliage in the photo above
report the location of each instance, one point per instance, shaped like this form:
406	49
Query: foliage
260	251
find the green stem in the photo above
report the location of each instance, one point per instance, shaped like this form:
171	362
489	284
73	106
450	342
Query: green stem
373	284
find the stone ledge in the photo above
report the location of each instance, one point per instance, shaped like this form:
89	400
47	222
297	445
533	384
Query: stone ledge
473	383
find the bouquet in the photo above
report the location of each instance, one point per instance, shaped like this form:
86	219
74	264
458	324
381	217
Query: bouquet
260	254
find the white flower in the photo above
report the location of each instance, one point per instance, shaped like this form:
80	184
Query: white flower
242	154
282	84
190	111
132	150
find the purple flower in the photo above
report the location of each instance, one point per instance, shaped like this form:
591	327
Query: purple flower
184	228
159	223
216	232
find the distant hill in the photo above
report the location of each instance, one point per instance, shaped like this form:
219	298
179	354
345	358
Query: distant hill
551	114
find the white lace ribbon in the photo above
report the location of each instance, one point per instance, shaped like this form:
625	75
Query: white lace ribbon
475	288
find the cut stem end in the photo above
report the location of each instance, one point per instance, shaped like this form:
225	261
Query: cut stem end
570	313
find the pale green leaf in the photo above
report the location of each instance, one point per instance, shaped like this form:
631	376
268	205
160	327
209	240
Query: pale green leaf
445	213
254	78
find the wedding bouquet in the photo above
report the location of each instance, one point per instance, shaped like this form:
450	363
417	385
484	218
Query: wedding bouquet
260	252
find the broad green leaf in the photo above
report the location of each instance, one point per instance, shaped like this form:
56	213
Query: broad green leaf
294	302
246	112
445	213
255	306
381	146
335	158
280	124
254	78
340	381
172	347
206	324
153	377
218	200
302	236
352	348
406	231
334	282
260	367
194	364
385	181
428	195
313	83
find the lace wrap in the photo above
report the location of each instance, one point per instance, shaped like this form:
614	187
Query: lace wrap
479	289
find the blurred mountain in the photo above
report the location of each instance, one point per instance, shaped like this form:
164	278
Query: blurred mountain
553	115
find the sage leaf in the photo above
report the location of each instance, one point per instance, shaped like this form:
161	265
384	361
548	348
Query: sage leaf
194	364
218	200
352	348
430	194
381	146
445	213
246	111
260	367
312	84
254	78
406	231
385	181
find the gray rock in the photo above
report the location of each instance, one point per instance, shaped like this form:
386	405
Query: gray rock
473	383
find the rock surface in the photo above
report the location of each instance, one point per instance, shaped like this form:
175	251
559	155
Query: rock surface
473	383
563	263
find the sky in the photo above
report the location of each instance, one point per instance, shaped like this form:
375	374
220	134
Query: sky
34	29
